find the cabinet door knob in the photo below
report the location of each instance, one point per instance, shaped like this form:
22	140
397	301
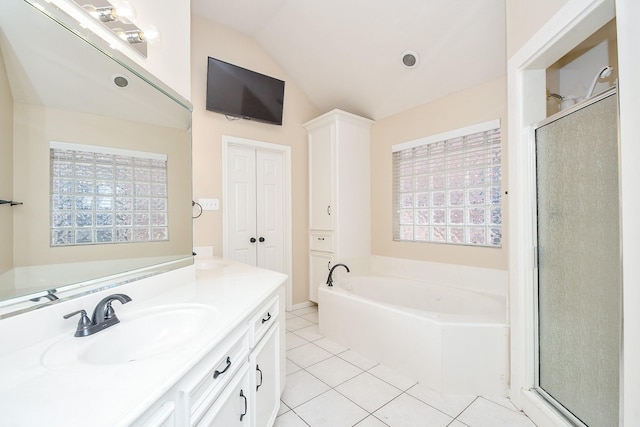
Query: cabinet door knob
261	240
252	240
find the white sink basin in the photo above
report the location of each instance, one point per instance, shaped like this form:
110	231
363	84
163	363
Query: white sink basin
145	334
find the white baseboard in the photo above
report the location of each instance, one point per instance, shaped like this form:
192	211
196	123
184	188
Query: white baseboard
302	305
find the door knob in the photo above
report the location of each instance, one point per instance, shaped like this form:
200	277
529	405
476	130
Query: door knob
261	239
252	240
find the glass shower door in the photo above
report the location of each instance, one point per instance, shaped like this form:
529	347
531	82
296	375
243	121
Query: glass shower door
578	263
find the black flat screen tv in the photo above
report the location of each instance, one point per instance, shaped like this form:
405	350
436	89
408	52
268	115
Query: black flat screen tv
238	92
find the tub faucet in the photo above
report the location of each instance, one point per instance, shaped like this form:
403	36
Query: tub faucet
103	316
330	278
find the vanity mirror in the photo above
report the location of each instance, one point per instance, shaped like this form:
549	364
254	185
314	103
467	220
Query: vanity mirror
62	86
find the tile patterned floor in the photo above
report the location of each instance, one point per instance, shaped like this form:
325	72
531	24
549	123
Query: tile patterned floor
329	385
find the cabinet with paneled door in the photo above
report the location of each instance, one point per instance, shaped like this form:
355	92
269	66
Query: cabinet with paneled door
339	194
238	384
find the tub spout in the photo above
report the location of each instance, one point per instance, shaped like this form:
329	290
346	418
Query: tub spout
330	278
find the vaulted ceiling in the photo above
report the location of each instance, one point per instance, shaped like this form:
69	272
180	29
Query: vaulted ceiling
348	53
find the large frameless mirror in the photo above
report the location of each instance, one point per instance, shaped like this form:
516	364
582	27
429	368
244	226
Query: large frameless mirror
71	225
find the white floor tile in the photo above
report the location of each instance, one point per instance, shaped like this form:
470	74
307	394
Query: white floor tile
368	391
331	346
301	387
456	423
407	411
283	408
294	340
310	333
331	385
450	405
311	317
371	421
334	371
392	377
358	360
290	419
297	323
503	401
307	355
484	413
292	368
331	409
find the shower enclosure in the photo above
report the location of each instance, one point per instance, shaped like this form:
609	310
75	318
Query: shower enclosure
579	301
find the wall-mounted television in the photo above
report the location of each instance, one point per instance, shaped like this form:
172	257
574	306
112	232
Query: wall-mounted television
238	92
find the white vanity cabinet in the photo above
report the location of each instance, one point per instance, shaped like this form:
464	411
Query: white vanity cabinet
199	391
339	194
236	384
263	362
231	409
162	414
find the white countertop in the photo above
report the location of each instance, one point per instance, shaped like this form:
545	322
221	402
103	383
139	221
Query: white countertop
79	394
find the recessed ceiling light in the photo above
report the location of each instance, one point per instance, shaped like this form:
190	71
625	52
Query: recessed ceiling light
120	80
410	59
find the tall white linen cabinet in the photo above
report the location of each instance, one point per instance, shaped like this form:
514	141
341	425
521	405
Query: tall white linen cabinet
339	196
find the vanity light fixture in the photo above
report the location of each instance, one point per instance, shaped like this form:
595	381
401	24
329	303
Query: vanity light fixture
104	14
118	16
132	36
139	35
121	11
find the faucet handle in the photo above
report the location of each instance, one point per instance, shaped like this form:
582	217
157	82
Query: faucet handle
83	324
109	312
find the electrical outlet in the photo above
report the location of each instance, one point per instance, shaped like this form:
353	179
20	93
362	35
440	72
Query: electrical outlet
209	204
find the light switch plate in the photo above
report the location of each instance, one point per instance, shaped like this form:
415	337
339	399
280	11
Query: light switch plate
209	204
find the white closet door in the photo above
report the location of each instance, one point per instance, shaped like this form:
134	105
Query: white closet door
255	198
270	210
241	199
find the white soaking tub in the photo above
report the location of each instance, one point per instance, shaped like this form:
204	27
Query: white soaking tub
452	340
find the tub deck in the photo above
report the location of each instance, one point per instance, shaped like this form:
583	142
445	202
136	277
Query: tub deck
452	353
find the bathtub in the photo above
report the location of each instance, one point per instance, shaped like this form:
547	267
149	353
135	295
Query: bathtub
454	341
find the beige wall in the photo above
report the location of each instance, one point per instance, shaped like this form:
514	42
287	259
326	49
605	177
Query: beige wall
35	126
6	170
476	105
211	39
525	17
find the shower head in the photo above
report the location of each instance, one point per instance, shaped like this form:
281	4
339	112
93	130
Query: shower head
602	74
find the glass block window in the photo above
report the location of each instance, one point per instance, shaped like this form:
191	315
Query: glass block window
101	195
447	188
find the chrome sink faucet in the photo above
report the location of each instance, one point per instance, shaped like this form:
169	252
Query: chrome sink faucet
330	278
103	317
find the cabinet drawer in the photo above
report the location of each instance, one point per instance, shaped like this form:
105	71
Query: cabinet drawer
264	318
231	409
207	381
321	242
